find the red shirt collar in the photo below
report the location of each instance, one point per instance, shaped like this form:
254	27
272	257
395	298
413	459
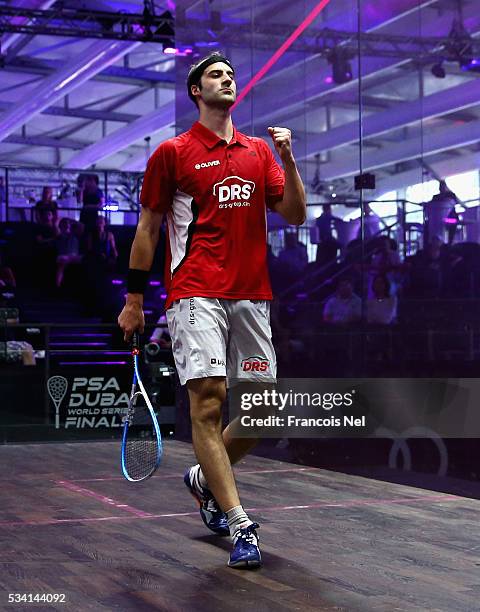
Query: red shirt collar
210	140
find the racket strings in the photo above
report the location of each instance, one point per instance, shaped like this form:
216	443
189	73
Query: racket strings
142	447
141	458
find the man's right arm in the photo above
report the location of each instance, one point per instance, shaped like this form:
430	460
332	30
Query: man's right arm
131	318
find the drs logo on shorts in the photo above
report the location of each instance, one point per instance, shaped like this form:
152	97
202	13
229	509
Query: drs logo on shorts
255	364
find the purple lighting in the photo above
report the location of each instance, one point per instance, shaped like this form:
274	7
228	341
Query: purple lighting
155	283
178	52
163	296
78	344
117	281
67	363
329	80
309	19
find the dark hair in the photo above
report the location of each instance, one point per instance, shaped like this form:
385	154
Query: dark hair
197	69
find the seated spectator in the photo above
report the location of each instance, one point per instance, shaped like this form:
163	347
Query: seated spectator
78	230
344	306
101	243
46	203
67	249
46	228
431	269
386	262
382	306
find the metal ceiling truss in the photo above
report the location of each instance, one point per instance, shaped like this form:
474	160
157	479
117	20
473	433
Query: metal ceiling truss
63	21
324	41
160	29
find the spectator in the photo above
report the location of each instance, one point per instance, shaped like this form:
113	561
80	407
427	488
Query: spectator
46	229
371	223
99	263
293	258
344	306
325	222
386	261
92	198
67	249
101	243
327	252
382	306
322	269
45	251
78	230
46	203
432	269
437	210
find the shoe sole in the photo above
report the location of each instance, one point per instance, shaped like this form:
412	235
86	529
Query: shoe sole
245	564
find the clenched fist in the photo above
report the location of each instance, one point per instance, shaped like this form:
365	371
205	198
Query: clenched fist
282	139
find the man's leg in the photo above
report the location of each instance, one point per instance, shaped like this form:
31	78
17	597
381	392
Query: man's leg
206	398
237	447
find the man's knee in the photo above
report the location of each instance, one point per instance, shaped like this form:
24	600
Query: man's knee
206	398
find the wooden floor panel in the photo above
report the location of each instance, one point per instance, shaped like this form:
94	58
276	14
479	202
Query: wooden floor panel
70	523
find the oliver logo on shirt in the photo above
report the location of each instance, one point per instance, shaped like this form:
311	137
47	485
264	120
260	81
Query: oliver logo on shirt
234	190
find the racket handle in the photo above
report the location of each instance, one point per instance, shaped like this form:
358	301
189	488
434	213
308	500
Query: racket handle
135	342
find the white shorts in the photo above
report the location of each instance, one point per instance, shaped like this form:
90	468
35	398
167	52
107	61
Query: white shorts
217	337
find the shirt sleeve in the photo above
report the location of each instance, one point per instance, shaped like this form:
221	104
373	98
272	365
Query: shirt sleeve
274	178
159	184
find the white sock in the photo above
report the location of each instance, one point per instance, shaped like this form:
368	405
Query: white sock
237	519
202	481
201	478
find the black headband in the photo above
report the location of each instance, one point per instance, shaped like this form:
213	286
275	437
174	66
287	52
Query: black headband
197	70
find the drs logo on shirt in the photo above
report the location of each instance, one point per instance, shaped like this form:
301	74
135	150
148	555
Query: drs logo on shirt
233	191
256	363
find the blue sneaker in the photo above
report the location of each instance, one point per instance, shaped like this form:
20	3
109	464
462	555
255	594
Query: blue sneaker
212	515
245	553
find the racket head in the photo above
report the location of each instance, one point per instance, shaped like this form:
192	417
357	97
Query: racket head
141	441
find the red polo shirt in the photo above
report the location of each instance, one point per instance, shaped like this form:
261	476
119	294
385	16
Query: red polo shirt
215	197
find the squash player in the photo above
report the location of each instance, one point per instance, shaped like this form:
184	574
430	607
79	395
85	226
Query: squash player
214	185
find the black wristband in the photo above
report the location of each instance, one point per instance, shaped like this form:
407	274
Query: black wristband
137	281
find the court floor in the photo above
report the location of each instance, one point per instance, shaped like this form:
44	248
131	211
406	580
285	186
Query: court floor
70	524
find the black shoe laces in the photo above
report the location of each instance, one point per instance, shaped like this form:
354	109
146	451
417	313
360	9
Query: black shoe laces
247	534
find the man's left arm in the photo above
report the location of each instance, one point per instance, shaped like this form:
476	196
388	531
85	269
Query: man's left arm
292	206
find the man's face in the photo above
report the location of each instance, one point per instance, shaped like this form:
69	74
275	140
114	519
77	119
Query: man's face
218	87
